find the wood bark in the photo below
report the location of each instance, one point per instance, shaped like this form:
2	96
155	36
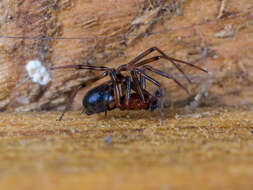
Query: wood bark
216	35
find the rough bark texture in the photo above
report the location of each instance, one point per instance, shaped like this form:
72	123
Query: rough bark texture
216	35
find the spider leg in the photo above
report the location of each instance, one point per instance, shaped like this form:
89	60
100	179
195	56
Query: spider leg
106	103
72	96
172	60
81	67
156	58
167	75
160	92
128	91
142	81
136	82
113	75
152	59
130	65
149	60
189	64
74	93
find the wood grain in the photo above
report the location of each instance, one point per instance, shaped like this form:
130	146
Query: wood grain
213	34
205	149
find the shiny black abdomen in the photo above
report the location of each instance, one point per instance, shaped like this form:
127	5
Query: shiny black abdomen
98	99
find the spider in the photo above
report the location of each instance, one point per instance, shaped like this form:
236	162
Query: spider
126	92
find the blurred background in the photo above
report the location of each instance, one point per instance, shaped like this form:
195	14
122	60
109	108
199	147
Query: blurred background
213	34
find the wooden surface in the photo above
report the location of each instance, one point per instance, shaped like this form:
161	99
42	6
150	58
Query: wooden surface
207	149
210	148
214	34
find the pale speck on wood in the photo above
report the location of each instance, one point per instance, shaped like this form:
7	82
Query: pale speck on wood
37	72
108	140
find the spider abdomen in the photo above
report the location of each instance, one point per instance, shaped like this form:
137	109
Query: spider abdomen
99	99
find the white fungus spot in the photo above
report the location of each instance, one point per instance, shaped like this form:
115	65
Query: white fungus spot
37	72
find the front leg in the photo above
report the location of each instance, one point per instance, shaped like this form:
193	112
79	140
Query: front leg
72	96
